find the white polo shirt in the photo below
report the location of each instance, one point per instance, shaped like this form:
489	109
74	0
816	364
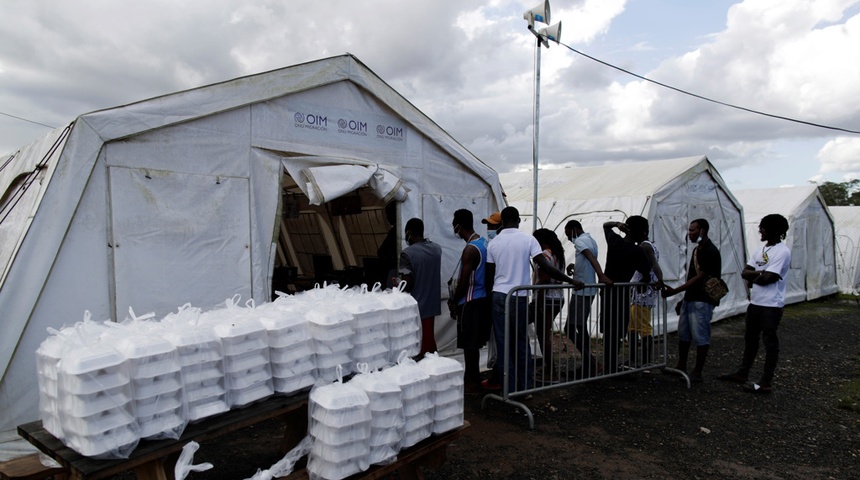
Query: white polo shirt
511	251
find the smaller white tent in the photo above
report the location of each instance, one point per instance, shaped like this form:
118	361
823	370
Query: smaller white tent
810	236
847	222
669	193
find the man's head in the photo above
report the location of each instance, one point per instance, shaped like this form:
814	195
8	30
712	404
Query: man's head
494	221
510	217
637	227
698	230
773	228
572	229
462	223
414	230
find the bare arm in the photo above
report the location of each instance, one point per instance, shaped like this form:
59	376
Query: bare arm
652	260
751	275
601	277
553	272
470	259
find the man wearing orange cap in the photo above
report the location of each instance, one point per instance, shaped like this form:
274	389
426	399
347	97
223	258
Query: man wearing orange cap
493	223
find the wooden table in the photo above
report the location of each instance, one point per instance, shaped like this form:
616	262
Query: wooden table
155	459
429	452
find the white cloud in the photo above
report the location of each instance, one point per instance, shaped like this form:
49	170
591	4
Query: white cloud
468	64
841	155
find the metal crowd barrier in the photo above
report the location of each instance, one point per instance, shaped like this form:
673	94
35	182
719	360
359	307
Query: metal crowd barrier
576	338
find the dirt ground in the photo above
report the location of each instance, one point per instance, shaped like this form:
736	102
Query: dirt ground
654	427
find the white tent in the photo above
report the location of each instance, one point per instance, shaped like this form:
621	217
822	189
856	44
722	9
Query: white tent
810	236
847	223
199	195
669	193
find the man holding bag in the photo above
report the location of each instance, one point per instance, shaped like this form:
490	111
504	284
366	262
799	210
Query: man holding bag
697	308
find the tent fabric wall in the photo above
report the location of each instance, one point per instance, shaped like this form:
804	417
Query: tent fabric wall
670	193
847	223
810	236
175	199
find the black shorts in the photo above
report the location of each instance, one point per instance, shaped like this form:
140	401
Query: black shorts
473	323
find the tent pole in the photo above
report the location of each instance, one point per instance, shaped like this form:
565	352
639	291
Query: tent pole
535	139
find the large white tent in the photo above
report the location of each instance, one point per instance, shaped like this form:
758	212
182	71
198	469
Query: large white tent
206	193
847	223
669	193
810	236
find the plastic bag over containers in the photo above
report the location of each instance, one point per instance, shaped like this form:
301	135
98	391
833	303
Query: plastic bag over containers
103	386
339	422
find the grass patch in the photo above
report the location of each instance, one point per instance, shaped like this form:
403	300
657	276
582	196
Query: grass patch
849	394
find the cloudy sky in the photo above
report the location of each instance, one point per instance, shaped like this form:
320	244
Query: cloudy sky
469	65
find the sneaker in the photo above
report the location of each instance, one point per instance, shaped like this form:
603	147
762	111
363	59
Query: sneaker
488	385
757	388
733	377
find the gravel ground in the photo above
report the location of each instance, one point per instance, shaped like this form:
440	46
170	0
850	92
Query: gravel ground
653	426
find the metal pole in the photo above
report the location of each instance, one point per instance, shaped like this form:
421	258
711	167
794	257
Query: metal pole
535	140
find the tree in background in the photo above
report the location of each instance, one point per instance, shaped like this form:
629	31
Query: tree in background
841	194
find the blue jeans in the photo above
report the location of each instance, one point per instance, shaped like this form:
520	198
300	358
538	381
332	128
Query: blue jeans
519	356
695	323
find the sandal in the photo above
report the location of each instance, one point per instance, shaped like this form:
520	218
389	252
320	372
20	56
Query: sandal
732	377
758	389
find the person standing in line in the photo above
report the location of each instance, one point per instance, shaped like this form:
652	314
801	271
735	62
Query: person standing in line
469	302
548	303
765	273
644	299
508	266
493	223
587	270
697	308
421	269
623	258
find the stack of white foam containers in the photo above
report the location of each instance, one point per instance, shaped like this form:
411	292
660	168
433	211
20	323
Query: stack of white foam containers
201	363
339	422
47	355
245	345
155	377
446	387
331	330
404	323
95	401
386	414
370	342
417	404
290	350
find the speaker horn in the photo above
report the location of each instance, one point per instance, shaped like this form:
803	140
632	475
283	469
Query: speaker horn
551	33
539	13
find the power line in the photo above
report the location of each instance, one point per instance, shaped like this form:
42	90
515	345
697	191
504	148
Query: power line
706	98
25	120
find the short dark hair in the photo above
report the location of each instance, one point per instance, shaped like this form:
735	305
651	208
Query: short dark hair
573	225
775	224
703	225
510	215
464	219
416	226
638	226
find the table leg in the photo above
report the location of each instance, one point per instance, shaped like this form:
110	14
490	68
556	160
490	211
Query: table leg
152	470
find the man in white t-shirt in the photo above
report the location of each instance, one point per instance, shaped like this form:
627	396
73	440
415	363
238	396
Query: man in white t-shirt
508	266
765	273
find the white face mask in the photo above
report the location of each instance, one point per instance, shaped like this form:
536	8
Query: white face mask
491	234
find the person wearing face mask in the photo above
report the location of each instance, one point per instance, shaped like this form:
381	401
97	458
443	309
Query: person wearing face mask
697	308
469	302
494	224
421	269
586	269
